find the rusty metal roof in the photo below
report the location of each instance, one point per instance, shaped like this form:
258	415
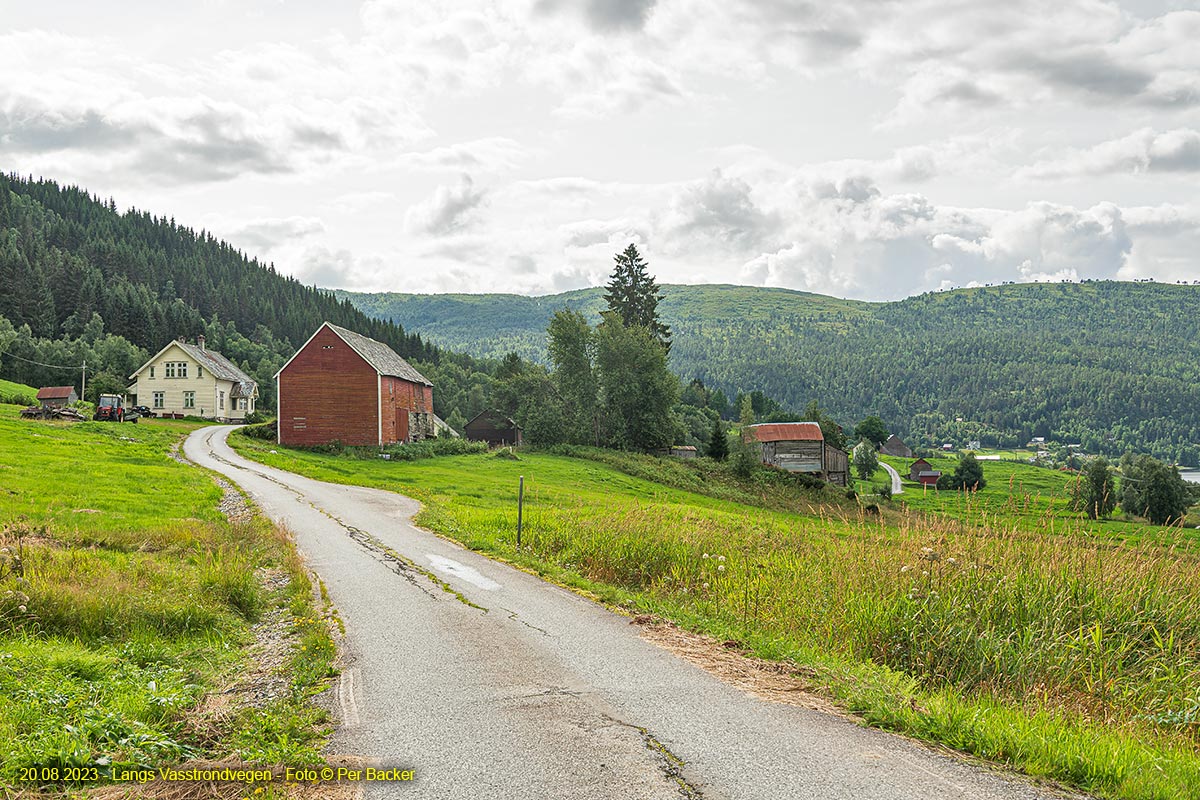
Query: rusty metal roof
54	392
787	432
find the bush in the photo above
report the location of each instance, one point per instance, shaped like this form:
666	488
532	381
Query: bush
256	418
430	448
266	431
18	399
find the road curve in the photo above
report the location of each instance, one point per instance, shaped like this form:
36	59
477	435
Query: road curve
531	691
897	486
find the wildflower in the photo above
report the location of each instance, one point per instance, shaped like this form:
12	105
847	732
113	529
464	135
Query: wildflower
720	568
704	585
951	560
905	568
705	555
720	558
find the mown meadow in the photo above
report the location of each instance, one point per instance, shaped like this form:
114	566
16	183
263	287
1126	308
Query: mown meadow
1071	654
126	598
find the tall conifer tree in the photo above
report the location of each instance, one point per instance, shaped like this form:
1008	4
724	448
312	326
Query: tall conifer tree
632	294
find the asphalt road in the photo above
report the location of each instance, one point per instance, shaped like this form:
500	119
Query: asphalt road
897	486
532	691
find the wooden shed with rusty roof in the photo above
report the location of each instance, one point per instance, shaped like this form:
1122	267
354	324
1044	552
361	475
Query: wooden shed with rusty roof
345	387
800	447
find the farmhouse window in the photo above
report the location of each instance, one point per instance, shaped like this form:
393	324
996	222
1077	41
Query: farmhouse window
221	400
189	399
158	399
199	371
241	404
152	372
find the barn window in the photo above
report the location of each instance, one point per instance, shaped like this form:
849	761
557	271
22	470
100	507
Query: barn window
326	347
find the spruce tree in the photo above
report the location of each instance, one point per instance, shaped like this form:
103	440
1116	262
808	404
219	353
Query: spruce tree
718	442
632	294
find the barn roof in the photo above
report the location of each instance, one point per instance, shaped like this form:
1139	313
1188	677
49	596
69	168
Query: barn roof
55	392
787	432
384	359
491	415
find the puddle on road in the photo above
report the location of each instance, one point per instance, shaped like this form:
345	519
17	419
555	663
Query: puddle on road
469	574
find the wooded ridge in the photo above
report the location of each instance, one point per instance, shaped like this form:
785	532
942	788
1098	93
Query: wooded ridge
1110	365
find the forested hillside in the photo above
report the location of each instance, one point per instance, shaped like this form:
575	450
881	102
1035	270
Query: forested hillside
82	281
1106	364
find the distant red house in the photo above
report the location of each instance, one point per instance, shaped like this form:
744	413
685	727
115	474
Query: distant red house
56	396
345	387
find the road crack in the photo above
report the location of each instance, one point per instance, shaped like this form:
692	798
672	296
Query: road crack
517	617
394	561
669	764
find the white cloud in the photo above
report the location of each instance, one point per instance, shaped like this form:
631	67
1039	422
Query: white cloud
447	210
1143	151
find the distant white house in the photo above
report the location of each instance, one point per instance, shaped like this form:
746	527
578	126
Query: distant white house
191	380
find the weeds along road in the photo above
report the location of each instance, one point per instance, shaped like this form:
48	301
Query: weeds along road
521	689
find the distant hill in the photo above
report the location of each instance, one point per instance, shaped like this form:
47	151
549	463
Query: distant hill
1108	364
67	255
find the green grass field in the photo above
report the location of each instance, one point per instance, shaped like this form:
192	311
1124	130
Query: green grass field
1070	656
1036	499
126	597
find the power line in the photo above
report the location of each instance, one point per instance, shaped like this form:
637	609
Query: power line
39	363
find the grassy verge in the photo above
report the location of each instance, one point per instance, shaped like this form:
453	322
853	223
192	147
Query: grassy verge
1074	657
126	598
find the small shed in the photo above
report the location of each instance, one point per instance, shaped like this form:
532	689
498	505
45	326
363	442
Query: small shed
917	467
678	451
800	447
894	446
928	477
494	428
56	396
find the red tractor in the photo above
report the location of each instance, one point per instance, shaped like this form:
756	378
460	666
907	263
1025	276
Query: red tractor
111	408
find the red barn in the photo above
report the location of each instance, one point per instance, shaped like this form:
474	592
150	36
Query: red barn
341	386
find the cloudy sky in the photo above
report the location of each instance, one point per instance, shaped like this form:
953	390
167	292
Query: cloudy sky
866	148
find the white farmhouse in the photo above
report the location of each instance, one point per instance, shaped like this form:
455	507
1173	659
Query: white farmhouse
190	380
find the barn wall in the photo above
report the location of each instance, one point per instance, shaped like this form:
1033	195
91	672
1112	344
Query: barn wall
795	456
328	393
415	399
837	466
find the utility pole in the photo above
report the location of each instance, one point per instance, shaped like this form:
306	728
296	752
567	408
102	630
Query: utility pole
520	508
83	386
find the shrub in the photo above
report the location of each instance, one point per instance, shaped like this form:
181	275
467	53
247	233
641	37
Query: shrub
431	448
266	431
18	399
